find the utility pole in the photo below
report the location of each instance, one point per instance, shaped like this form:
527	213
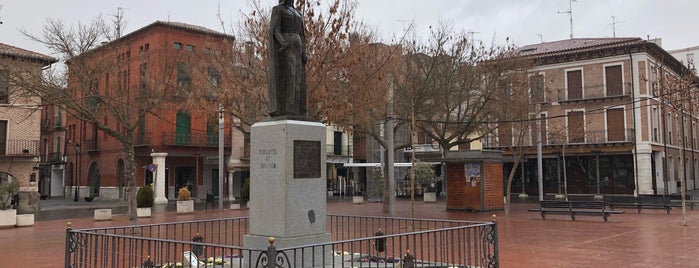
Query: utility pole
389	182
221	169
570	15
539	160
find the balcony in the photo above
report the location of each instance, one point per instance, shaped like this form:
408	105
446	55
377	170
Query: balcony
607	137
194	139
19	148
54	157
591	94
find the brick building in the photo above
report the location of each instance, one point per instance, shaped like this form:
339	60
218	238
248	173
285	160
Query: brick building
174	59
608	104
20	115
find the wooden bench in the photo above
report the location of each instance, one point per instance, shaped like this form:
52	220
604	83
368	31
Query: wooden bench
574	208
641	202
676	201
654	202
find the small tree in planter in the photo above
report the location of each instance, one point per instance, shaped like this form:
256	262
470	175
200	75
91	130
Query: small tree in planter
425	175
8	189
144	201
185	204
245	192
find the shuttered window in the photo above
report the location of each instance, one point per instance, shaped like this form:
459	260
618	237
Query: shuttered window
536	87
505	134
613	80
576	127
615	124
574	79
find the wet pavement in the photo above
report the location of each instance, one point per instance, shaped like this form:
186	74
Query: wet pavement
649	239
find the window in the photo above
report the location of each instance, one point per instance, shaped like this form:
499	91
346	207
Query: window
177	46
536	88
4	88
142	70
189	48
3	137
574	84
212	130
337	143
613	80
183	79
505	134
654	122
146	47
576	127
668	125
182	130
615	125
214	77
207	51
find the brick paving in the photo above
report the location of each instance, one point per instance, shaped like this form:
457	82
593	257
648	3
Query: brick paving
649	239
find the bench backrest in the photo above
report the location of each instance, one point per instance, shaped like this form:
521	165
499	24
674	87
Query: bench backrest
587	204
555	204
620	199
653	199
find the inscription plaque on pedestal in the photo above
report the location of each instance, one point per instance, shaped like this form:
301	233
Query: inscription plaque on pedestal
306	159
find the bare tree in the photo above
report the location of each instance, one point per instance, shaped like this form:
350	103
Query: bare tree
516	120
450	85
113	106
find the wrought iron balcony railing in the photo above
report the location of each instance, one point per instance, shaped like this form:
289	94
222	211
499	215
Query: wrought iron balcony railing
193	139
589	137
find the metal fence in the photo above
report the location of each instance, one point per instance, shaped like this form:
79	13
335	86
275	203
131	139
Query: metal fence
357	241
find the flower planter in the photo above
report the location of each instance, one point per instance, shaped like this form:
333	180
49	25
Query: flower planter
143	212
185	206
8	218
357	199
429	197
25	220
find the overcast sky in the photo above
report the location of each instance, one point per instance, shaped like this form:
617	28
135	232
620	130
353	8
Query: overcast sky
523	21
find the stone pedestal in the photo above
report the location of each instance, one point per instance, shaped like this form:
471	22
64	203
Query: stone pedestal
287	185
159	161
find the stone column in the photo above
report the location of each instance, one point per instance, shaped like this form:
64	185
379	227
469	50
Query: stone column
160	183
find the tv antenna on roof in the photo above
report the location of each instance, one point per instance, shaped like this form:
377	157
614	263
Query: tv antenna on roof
541	37
0	17
570	14
614	23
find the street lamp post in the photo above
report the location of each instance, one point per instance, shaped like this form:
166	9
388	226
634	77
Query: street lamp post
77	171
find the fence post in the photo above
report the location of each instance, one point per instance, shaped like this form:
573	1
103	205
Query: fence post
271	254
408	260
495	259
68	250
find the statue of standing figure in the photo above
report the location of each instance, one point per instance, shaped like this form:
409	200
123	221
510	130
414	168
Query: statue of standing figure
287	62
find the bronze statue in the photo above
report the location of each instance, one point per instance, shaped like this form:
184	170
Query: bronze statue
287	62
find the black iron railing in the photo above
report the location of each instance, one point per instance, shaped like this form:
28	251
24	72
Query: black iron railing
194	139
357	242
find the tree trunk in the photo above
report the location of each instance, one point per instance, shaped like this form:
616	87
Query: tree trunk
508	191
130	173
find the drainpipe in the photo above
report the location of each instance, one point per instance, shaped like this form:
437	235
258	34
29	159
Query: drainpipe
635	139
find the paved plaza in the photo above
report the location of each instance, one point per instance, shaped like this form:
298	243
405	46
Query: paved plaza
649	239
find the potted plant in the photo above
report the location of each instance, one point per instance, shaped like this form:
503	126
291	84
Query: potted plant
425	176
8	214
144	201
185	204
